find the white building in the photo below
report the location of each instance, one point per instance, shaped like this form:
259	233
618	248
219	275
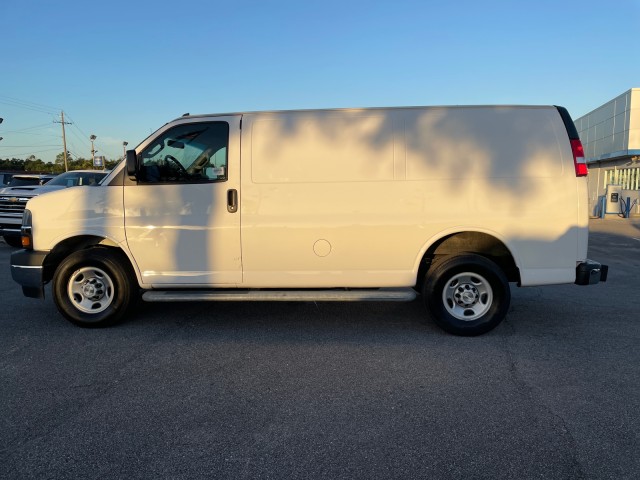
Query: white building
610	135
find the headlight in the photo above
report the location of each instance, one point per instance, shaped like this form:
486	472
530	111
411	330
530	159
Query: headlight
26	230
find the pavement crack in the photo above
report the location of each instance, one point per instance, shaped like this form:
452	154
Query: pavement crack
526	391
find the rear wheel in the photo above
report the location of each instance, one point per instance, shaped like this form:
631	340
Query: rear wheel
13	241
94	287
466	294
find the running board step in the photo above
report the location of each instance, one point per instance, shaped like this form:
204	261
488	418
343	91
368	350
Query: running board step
361	295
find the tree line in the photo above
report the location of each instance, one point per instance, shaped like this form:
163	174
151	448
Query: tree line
33	164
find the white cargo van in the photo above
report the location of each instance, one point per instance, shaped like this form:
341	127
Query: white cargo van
451	203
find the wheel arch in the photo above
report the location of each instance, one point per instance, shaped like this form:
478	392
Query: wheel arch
82	242
482	242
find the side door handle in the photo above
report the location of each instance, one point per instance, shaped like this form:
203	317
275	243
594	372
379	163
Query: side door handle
232	200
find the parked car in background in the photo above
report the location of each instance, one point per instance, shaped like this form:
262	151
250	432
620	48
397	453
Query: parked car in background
5	178
74	178
27	179
23	187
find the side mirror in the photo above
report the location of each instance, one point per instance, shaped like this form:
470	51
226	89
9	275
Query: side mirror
132	164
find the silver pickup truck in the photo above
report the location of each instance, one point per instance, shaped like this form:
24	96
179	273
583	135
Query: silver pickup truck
23	187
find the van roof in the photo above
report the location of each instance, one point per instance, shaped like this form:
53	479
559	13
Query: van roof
354	109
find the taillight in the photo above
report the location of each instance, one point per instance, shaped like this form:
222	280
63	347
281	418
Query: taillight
578	158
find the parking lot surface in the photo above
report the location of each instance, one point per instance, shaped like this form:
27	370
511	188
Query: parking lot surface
336	390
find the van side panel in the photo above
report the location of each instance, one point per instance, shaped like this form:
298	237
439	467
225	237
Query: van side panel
321	206
515	169
322	147
583	218
354	198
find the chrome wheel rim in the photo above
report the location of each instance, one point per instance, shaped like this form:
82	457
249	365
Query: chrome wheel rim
90	290
467	296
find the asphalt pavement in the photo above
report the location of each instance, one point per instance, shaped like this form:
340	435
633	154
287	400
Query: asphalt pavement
334	390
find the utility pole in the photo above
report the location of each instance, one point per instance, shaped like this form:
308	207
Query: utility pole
64	139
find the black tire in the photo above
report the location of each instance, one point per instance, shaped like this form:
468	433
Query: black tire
466	294
15	242
94	287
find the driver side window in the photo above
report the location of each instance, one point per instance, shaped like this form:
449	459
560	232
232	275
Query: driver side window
193	152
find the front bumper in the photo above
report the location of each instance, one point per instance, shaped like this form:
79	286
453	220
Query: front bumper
590	273
7	230
27	269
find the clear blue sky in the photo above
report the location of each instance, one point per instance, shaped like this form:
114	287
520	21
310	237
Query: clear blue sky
121	69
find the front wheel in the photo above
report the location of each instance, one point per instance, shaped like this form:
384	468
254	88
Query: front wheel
466	294
94	287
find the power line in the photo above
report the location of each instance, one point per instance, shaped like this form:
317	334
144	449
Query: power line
27	108
14	99
82	139
78	157
38	107
75	124
73	148
27	146
35	127
28	153
31	133
82	135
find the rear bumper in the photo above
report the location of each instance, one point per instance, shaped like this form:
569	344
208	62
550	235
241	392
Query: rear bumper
27	268
590	273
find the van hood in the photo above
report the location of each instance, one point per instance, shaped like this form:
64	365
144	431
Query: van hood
58	198
68	212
